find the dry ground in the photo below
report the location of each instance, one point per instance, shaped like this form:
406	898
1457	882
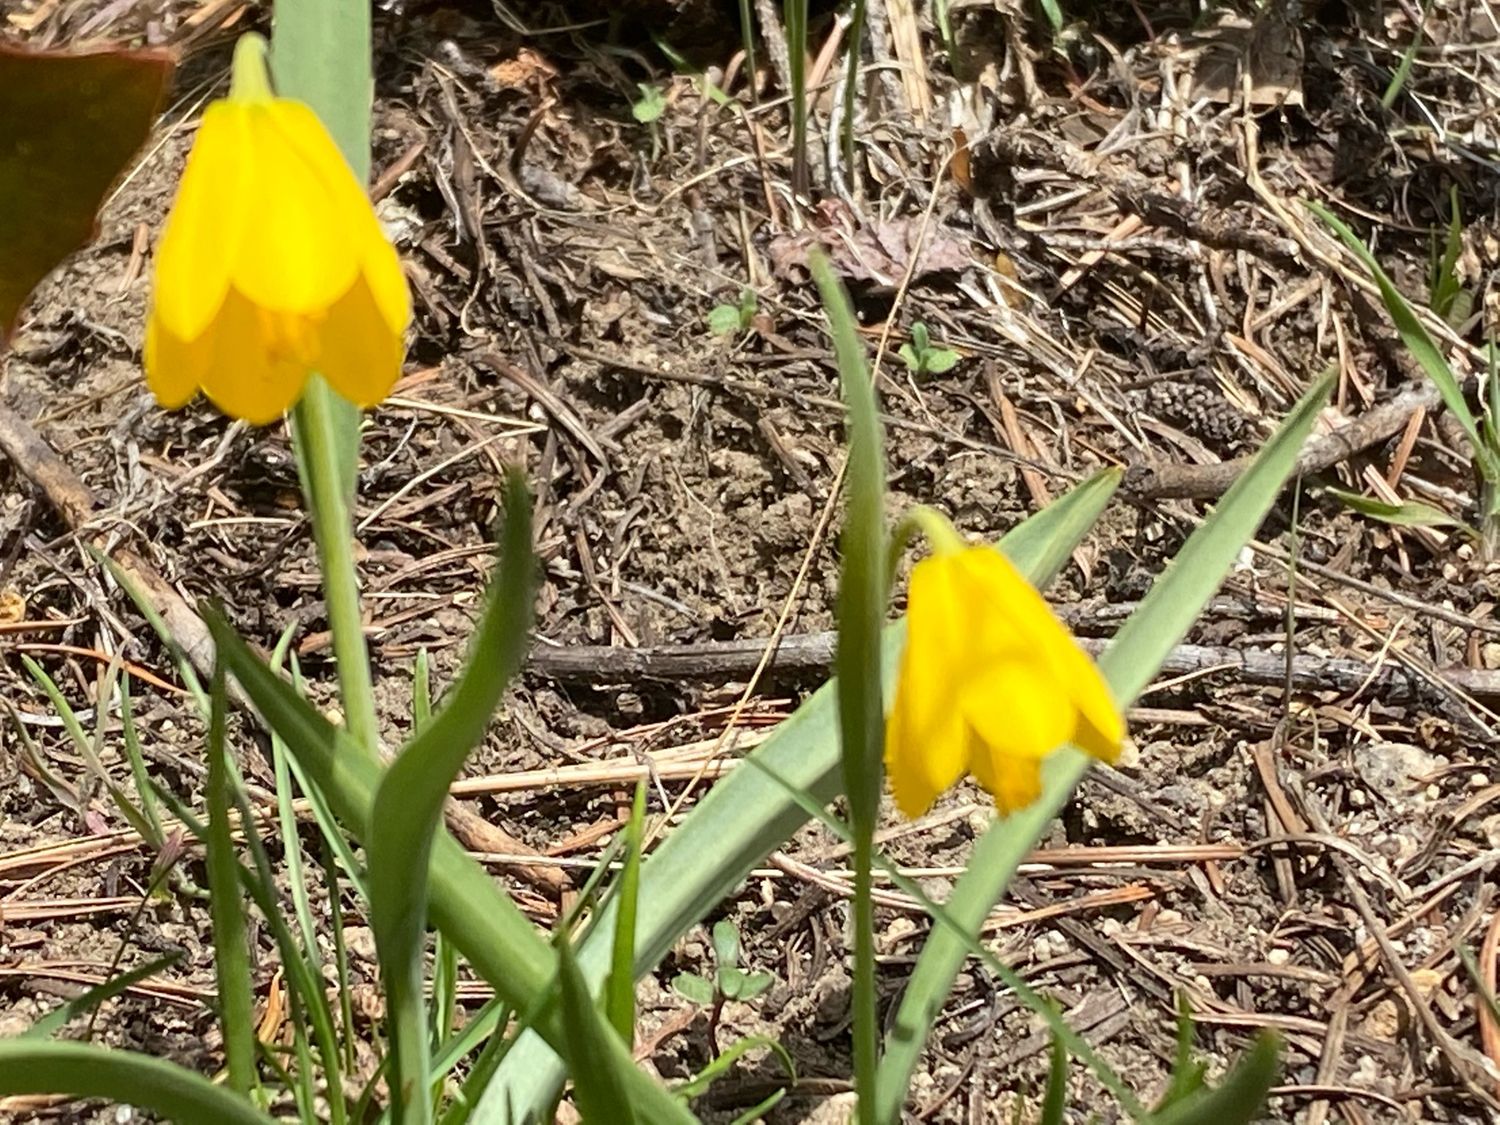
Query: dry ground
1120	257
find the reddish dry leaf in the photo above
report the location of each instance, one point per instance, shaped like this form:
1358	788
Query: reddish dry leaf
878	252
70	123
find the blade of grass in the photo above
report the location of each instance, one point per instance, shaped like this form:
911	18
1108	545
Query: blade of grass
408	806
299	961
499	941
88	747
746	816
619	991
231	948
1417	340
143	790
794	16
1239	1098
600	1096
82	1070
1128	665
861	620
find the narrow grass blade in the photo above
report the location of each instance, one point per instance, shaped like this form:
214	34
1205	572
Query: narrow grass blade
862	583
1055	1103
1417	340
1239	1098
619	991
597	1089
88	747
1128	665
231	951
1407	513
720	1066
497	939
858	661
55	1020
746	815
794	16
144	792
82	1070
304	979
408	807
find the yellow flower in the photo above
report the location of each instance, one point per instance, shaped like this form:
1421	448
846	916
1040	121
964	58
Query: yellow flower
272	264
990	684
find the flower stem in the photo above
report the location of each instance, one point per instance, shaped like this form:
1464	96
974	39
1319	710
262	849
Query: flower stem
866	1009
323	475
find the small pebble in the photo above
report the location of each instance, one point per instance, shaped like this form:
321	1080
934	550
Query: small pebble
1278	956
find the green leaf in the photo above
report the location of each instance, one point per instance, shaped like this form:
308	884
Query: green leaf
408	805
82	1070
858	660
753	984
747	815
720	1066
1415	336
500	942
597	1089
231	949
908	355
71	123
694	987
1128	665
1408	513
1239	1098
941	360
1188	1071
862	584
649	107
1055	1104
723	320
619	992
726	944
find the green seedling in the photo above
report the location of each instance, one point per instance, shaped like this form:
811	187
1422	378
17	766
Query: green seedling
726	320
648	108
1450	300
1481	429
729	982
921	358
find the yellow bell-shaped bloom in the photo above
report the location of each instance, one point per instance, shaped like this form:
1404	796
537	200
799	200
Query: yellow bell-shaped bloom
272	265
990	684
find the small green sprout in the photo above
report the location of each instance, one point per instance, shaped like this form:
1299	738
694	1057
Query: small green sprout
921	358
730	981
726	320
648	108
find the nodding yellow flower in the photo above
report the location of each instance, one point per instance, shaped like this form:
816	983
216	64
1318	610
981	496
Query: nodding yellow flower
990	684
272	265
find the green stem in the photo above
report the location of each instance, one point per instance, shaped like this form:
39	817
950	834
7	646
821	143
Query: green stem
315	426
866	1015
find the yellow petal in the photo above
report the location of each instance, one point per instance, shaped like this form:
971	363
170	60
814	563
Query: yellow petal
203	231
1101	728
1006	612
306	251
386	280
1013	782
1019	620
174	367
1017	710
256	370
927	746
361	353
